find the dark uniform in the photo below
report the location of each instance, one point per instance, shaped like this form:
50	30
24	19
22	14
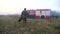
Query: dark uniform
24	16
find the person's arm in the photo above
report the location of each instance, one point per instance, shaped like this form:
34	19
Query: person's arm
27	14
22	13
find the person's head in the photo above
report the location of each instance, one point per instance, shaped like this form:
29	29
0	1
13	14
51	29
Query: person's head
24	8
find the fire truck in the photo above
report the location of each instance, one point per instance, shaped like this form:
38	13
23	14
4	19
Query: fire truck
39	13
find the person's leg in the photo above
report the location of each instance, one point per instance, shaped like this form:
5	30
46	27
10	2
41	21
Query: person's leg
24	21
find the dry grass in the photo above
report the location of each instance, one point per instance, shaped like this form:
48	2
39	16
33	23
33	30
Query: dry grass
9	25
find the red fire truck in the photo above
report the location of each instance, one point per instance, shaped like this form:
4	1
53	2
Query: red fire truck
40	13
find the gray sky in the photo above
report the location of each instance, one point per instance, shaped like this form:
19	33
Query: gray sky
16	6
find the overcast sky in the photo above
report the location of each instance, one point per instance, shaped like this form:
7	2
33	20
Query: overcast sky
16	6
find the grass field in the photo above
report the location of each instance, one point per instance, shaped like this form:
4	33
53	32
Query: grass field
10	25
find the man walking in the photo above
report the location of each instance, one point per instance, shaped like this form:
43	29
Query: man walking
24	16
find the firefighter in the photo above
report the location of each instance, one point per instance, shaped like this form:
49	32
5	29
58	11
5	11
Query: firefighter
24	16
